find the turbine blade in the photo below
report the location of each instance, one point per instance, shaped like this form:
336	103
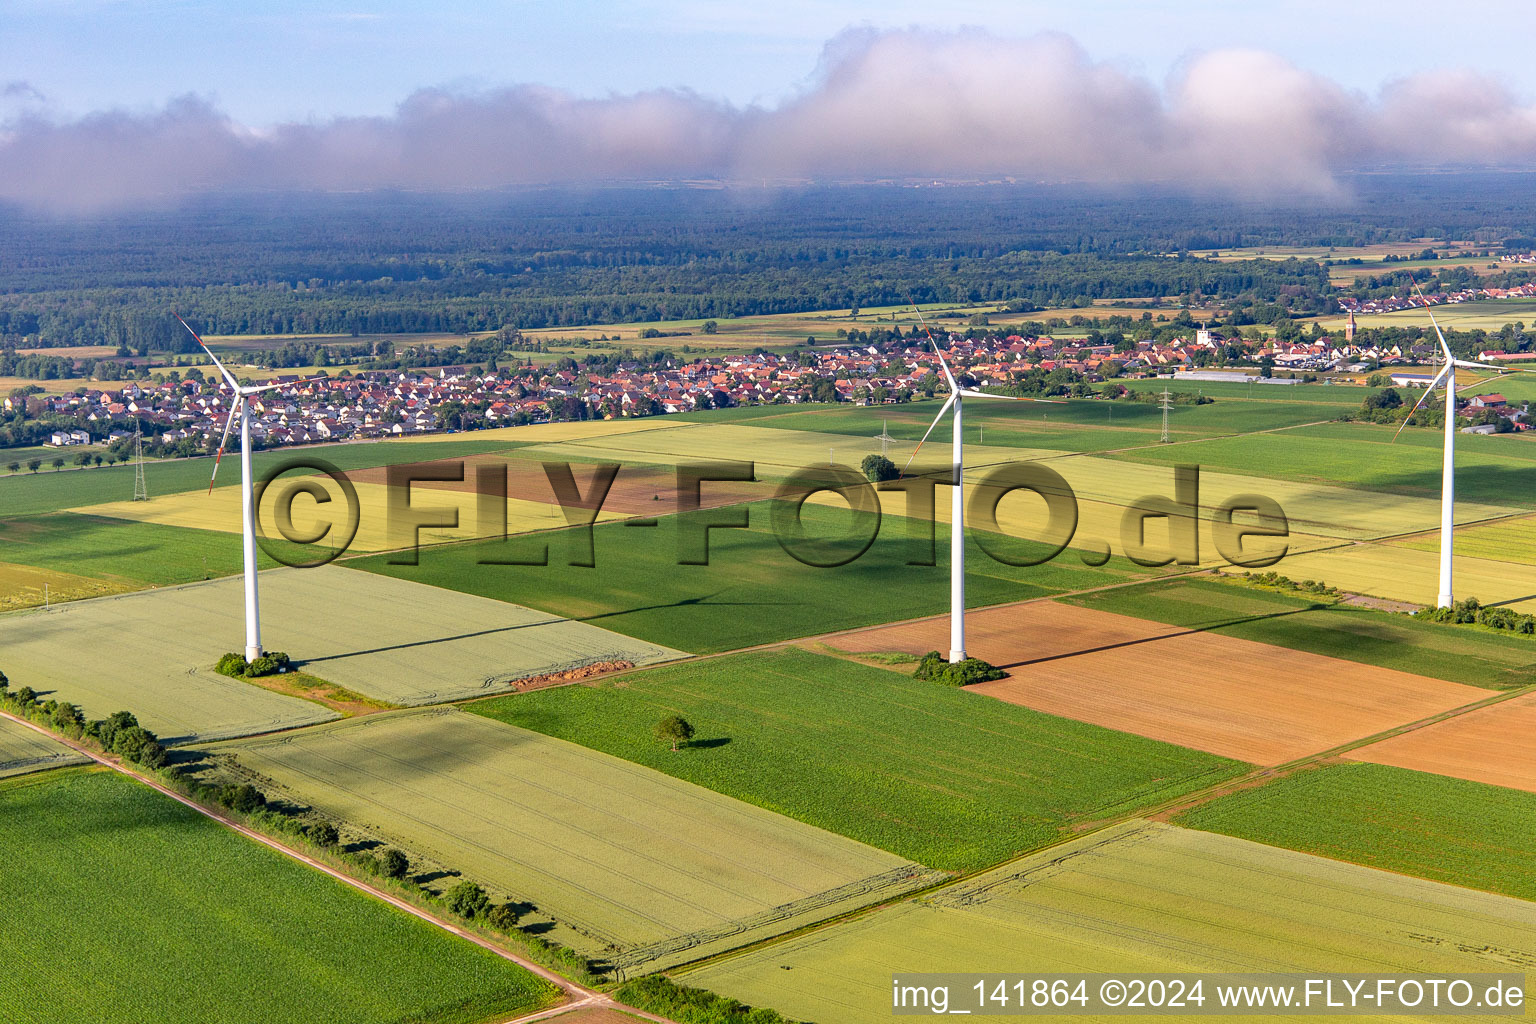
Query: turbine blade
1427	392
259	388
1438	333
229	422
227	376
953	386
944	409
969	393
1476	366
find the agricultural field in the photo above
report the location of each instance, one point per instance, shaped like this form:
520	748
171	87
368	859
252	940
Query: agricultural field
1491	745
1405	574
1509	540
1143	897
1448	830
25	750
121	904
1346	631
152	654
116	554
1481	314
28	493
1486	478
385	638
949	779
1226	696
377	529
26	586
751	592
634	866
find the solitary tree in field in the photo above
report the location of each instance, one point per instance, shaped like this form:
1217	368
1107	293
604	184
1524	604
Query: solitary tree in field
878	467
674	730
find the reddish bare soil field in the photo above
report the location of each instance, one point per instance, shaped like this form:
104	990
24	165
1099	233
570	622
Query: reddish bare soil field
1492	745
1244	700
636	491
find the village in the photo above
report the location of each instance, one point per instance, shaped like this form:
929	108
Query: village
377	404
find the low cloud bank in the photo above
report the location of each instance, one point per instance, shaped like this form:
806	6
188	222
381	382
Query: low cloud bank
881	104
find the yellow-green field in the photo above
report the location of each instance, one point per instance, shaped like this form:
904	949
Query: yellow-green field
634	865
25	750
1138	897
1405	573
385	638
26	586
151	653
1484	314
1511	540
377	530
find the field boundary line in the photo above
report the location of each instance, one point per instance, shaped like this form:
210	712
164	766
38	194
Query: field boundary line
577	996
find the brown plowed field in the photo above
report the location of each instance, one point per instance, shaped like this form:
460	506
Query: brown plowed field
1490	745
637	490
1240	699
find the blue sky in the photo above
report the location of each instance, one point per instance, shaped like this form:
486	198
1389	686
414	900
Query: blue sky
293	61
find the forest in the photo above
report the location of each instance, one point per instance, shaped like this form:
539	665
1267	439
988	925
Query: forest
406	263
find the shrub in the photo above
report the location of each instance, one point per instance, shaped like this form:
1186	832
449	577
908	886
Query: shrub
243	797
1498	618
323	834
26	696
503	917
659	995
394	863
270	663
936	668
467	899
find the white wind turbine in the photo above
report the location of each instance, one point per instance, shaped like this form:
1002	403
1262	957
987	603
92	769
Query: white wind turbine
247	505
1448	468
957	508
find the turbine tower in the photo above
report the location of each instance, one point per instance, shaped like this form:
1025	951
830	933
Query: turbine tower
247	507
957	507
1448	467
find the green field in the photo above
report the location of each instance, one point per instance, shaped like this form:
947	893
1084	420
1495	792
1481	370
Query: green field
944	777
751	592
24	750
1484	472
1432	826
27	493
1138	897
1350	632
634	865
119	550
122	905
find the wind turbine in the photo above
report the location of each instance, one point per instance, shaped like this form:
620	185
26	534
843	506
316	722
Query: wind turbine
1448	468
247	505
957	395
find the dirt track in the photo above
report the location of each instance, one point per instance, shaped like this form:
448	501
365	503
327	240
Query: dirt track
1244	700
1491	745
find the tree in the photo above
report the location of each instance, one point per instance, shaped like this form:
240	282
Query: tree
675	730
34	464
467	899
13	467
323	834
878	467
58	464
710	327
394	864
503	917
